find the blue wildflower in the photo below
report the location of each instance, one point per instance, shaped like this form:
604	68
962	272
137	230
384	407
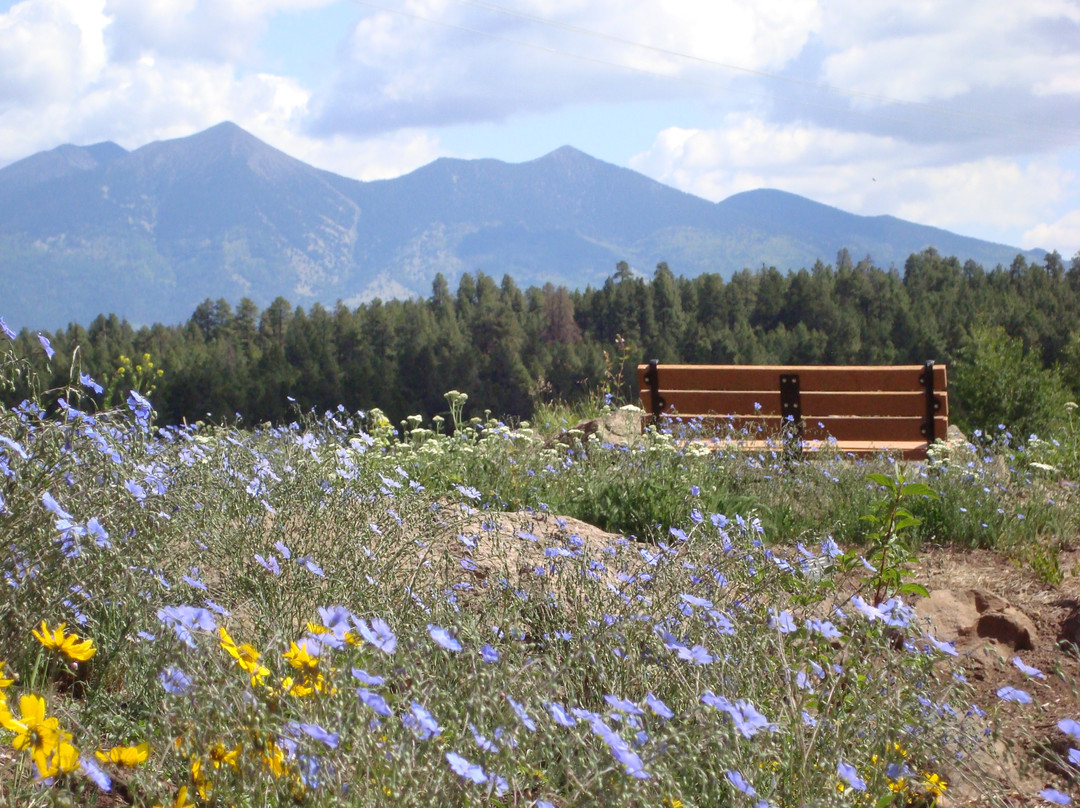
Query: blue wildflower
139	405
1055	796
1027	669
851	776
699	655
620	750
825	628
744	715
486	744
623	705
86	381
866	610
136	490
693	600
443	638
15	447
782	622
95	529
185	619
174	681
489	654
316	732
310	566
193	580
46	345
470	771
658	706
270	564
421	722
366	678
739	782
1010	693
945	647
500	785
97	775
522	715
6	329
214	607
559	714
375	701
1070	726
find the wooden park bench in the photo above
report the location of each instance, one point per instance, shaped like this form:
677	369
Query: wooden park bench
899	409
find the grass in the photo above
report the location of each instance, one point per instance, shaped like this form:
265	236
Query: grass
308	615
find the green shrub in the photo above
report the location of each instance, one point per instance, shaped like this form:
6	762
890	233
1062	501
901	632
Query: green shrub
996	381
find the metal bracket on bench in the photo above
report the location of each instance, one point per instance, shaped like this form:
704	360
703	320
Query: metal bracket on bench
652	378
926	379
791	411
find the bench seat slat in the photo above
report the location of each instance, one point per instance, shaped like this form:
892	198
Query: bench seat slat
908	450
814	404
886	430
827	378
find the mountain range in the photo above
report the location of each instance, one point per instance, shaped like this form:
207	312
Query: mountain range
150	233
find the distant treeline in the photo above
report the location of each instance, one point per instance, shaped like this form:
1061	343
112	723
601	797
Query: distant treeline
510	349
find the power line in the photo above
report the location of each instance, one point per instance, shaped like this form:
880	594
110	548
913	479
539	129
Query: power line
804	83
933	120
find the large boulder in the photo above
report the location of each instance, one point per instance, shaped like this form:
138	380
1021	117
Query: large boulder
973	617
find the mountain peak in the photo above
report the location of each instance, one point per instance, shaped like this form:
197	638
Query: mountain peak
63	161
223	147
567	155
227	135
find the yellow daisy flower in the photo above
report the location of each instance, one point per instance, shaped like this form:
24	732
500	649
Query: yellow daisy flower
67	644
65	759
933	784
275	760
299	658
5	679
129	756
219	756
34	730
246	656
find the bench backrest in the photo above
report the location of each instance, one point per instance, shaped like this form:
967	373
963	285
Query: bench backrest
897	406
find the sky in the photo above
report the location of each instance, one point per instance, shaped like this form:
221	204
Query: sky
962	114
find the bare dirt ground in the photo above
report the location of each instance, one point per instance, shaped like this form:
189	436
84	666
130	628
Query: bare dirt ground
1020	616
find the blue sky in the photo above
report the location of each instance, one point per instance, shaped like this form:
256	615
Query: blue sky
963	114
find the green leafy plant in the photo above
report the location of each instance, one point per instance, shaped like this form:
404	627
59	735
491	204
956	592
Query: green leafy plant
887	539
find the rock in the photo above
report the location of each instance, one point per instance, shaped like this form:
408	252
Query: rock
1010	627
973	616
620	427
951	616
955	436
1070	631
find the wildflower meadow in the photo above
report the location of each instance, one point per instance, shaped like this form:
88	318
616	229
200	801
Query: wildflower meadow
328	613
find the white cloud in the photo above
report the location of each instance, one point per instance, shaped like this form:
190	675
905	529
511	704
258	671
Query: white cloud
398	70
1062	235
49	49
861	173
366	159
192	29
930	50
